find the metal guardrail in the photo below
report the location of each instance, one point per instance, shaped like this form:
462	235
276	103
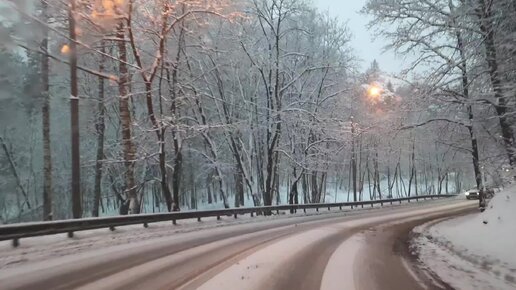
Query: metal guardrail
23	230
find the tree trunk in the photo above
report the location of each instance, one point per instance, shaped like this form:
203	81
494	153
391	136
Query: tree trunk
322	187
465	91
371	192
412	168
208	189
416	189
485	16
294	192
125	118
389	188
178	161
315	193
176	176
377	173
239	188
100	126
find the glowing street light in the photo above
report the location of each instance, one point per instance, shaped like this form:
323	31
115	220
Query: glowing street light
374	91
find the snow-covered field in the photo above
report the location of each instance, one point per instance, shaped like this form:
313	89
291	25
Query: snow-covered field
476	251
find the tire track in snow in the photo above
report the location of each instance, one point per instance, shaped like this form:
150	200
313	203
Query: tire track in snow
300	261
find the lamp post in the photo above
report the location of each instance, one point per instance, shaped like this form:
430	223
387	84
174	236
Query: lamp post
353	159
74	116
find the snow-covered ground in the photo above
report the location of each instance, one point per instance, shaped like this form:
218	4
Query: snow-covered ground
38	249
214	258
476	251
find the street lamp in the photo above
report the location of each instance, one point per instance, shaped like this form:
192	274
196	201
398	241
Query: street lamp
353	159
374	91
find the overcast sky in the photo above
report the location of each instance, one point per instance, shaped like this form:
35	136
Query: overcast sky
362	41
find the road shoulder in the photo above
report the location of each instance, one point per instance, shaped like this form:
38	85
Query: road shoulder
445	259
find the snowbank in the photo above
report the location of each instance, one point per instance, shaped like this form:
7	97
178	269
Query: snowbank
474	251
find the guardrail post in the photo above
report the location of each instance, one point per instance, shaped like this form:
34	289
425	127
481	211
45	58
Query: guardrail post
277	212
252	214
400	201
317	209
174	222
235	215
70	234
111	228
381	203
218	217
304	210
340	207
199	219
408	200
372	204
145	225
391	201
16	242
329	208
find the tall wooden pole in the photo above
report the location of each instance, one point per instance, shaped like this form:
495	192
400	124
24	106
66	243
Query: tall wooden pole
74	116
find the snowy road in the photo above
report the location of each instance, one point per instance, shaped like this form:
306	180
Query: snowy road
351	250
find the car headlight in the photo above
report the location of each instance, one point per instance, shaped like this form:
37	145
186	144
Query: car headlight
467	193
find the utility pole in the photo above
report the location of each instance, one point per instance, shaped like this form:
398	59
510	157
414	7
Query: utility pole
45	114
74	116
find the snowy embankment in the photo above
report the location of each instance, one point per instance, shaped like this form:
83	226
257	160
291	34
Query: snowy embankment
475	251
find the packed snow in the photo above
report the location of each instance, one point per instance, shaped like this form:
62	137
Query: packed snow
341	265
252	271
475	251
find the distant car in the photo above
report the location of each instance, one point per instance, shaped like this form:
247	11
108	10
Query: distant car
472	194
475	193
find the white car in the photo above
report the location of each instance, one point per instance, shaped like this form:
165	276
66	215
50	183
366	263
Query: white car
472	194
475	193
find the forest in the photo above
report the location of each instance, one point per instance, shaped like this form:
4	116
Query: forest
114	107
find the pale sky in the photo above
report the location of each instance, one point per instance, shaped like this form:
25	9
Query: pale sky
362	40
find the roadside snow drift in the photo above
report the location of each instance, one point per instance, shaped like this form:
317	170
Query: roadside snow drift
476	251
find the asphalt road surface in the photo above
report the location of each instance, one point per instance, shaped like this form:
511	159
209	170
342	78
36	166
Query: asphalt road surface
350	250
